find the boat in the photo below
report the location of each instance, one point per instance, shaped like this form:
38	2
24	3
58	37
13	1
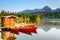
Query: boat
25	28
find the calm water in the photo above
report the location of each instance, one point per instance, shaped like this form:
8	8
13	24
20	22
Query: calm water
43	33
46	31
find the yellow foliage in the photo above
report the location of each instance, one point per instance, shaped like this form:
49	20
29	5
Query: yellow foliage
0	20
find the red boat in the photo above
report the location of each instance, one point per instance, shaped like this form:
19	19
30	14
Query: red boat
15	30
28	29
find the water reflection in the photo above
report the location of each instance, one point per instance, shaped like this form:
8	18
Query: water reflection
47	28
43	33
52	34
46	31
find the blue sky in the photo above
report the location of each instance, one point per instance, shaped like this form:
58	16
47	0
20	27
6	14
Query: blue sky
20	5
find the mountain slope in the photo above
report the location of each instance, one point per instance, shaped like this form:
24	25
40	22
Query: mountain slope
46	8
57	10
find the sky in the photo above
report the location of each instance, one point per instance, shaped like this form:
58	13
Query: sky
20	5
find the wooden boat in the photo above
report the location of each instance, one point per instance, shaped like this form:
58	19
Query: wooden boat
28	29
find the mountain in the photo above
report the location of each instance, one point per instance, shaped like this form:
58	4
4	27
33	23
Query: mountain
27	11
46	8
57	10
30	11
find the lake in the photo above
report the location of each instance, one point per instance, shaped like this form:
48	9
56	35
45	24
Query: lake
43	33
46	31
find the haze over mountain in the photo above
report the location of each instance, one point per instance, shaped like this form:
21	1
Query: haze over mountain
46	8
